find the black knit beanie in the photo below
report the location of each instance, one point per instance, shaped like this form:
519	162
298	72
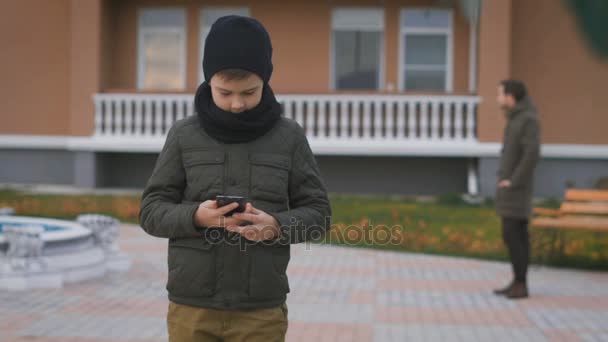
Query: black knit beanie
238	42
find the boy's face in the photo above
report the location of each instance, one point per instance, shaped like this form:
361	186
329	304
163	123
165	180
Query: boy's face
236	96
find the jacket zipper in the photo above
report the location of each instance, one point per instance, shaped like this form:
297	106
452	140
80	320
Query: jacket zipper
226	172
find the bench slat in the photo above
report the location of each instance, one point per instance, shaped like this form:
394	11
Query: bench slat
586	195
584	208
590	223
547	212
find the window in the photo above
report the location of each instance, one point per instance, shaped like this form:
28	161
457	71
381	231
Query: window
425	50
357	48
207	17
161	49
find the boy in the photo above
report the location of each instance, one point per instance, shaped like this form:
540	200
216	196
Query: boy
238	144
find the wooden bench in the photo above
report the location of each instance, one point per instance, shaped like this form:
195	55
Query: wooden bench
582	210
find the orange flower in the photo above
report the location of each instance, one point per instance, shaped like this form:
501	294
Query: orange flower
395	214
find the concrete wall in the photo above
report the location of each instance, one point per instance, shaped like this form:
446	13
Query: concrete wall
553	176
342	174
386	175
124	170
361	175
36	166
364	175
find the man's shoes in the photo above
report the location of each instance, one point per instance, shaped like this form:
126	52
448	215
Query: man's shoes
517	291
504	290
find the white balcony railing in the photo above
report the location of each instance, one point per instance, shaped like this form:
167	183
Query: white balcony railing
325	118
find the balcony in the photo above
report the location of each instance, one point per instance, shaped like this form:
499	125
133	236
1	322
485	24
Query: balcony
335	124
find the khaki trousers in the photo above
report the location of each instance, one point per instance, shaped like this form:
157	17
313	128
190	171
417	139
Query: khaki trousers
193	324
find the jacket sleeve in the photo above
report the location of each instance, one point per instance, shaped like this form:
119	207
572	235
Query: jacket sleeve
530	143
162	213
309	214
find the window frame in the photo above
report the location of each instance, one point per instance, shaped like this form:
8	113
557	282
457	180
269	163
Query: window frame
378	11
142	31
447	31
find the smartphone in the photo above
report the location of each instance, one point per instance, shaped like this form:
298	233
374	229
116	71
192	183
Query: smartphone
223	200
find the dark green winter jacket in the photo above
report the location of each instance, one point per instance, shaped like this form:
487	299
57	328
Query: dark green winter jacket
211	267
520	154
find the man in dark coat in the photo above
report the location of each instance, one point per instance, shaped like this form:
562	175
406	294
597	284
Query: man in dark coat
520	154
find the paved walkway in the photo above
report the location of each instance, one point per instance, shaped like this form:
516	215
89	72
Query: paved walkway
338	294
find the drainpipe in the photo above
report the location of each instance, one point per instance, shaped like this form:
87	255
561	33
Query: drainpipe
472	10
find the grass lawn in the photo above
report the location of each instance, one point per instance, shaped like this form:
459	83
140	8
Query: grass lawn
452	227
447	226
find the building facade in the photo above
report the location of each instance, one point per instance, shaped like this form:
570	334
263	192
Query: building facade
396	96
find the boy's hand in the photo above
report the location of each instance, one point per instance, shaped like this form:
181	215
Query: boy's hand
262	227
210	216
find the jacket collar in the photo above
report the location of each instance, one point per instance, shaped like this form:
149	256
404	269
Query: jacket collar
521	106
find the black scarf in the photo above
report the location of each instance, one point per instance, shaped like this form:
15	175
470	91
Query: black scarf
231	128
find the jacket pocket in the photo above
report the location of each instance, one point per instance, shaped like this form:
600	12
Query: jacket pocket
269	178
268	272
191	268
512	194
510	200
204	172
